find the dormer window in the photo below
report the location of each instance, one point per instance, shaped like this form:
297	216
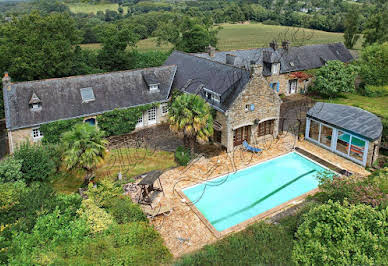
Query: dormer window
275	68
211	96
154	87
35	103
292	64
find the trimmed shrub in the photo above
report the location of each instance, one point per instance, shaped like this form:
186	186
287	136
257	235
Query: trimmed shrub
37	164
97	219
332	234
182	155
125	211
10	170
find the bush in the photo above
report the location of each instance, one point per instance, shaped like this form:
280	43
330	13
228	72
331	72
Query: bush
10	170
37	165
147	59
259	244
354	189
125	211
270	22
182	155
334	78
373	91
332	234
97	219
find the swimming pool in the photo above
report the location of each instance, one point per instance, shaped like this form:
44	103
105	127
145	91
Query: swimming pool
231	199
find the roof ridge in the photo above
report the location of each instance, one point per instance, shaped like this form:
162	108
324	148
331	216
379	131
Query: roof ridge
95	74
209	60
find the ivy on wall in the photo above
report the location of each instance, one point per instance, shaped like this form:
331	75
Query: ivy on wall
116	122
121	121
52	131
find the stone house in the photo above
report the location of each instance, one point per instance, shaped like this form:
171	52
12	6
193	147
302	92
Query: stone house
283	67
33	103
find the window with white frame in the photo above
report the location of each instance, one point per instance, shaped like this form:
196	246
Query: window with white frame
275	68
154	87
36	133
152	114
212	96
140	119
164	109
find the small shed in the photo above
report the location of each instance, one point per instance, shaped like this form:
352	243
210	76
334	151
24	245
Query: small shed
348	131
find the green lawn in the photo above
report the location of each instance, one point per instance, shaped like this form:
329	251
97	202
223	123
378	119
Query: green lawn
93	8
376	105
246	36
131	162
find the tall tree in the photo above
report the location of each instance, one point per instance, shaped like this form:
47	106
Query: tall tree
376	27
352	28
37	47
191	115
115	39
84	148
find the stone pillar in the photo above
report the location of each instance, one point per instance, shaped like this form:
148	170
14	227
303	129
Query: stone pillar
229	134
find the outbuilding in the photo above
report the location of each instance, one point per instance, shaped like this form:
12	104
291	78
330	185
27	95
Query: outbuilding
348	131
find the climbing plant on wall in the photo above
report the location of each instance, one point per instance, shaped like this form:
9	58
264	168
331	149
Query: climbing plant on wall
52	131
121	121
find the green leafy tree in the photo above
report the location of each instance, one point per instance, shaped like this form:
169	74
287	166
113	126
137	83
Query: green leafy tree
194	40
37	165
352	25
115	40
374	64
37	47
376	27
333	234
334	78
84	148
191	115
10	170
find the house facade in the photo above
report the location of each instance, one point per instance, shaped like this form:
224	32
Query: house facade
243	87
30	104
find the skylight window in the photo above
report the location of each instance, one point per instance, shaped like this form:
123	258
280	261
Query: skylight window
87	95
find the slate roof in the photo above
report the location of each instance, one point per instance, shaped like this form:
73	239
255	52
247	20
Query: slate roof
348	118
61	98
194	73
294	59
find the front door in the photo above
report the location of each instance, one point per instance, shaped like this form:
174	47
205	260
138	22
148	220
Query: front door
241	134
293	84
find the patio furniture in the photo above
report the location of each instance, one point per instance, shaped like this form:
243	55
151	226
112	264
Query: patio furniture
147	189
156	211
250	148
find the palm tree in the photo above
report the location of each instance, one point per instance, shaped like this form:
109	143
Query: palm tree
191	115
84	147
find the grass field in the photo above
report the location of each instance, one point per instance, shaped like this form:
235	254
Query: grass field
245	36
89	8
131	162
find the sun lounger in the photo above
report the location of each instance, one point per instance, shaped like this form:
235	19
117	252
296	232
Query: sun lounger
250	148
157	210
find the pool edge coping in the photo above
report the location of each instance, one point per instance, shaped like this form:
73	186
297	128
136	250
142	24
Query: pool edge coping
256	218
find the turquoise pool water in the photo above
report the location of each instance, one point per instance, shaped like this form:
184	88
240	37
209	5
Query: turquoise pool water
229	200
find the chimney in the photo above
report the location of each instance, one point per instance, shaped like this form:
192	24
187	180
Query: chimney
6	81
230	59
286	45
273	45
256	69
211	50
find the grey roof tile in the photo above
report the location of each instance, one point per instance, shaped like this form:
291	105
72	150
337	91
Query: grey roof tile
61	98
348	118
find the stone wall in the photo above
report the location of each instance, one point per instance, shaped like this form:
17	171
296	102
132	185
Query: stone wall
18	136
373	152
266	106
283	80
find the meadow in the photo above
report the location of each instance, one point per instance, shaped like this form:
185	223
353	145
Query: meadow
254	35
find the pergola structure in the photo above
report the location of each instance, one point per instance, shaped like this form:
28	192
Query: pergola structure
346	130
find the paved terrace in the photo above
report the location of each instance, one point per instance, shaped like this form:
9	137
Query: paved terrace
183	231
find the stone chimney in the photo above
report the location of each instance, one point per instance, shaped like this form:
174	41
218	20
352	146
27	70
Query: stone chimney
211	50
6	82
286	45
273	45
256	69
230	59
